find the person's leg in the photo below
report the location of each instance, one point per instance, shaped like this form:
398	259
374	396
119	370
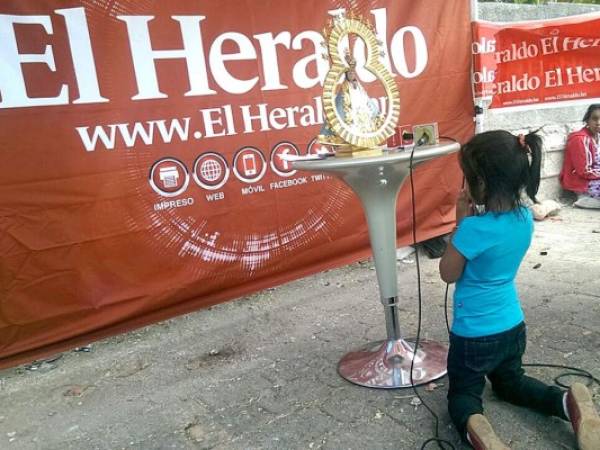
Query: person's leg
594	189
465	387
481	435
591	198
583	416
466	376
511	384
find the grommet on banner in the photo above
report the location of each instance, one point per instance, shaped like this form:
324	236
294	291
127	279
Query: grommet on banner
478	118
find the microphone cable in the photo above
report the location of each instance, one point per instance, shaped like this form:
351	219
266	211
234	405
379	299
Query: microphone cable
569	371
572	371
443	444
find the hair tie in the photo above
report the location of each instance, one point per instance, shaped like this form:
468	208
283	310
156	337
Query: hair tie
523	144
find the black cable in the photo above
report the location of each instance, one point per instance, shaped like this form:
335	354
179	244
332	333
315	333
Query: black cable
449	138
575	371
446	309
440	442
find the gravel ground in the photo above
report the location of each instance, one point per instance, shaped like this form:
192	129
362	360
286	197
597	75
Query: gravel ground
260	372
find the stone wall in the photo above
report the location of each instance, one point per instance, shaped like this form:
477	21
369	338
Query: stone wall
557	122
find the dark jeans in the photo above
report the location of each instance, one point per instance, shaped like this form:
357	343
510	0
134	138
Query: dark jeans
498	357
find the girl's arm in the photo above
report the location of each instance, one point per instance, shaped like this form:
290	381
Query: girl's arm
452	263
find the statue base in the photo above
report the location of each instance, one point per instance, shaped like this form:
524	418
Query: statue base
357	152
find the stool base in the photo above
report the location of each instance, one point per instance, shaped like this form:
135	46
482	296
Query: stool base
386	364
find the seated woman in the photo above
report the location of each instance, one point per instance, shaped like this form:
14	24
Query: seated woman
581	167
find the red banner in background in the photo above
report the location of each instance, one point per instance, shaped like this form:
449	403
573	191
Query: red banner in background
520	64
139	144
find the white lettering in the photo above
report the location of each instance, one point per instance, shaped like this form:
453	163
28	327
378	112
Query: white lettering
99	133
270	63
399	53
485	76
291	111
516	52
168	204
252	189
143	130
576	75
139	130
287	183
167	135
215	196
553	78
549	45
406	53
484	45
300	70
276	114
144	56
248	118
83	58
217	59
308	116
517	84
210	121
12	82
571	43
229	120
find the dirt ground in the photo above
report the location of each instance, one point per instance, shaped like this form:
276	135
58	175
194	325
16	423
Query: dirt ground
260	372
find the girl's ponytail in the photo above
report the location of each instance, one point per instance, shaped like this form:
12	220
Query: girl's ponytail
533	144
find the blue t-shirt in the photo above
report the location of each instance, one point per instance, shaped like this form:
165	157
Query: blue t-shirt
485	298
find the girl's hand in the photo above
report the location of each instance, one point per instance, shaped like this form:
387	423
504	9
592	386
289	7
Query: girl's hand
464	205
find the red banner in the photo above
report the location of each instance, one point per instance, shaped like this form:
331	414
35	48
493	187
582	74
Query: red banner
520	64
140	175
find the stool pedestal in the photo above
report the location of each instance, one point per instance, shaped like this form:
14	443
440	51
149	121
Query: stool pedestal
376	181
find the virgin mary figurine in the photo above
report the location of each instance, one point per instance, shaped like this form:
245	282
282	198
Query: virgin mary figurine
355	109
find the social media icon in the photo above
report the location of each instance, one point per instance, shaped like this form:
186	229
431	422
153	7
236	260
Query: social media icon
169	177
279	162
316	148
210	171
249	164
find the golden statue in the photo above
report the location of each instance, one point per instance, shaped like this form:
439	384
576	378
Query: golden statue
353	122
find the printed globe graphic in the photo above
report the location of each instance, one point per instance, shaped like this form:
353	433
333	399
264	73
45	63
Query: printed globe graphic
211	170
